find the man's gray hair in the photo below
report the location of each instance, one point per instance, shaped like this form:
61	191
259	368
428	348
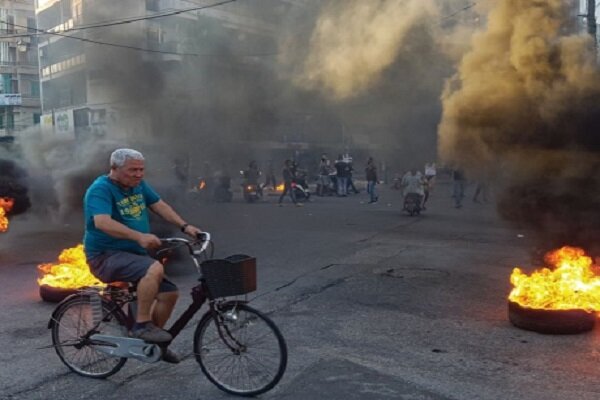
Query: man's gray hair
120	156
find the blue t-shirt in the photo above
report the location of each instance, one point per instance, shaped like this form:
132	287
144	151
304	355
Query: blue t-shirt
127	206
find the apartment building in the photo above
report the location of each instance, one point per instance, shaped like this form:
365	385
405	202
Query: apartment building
80	93
19	79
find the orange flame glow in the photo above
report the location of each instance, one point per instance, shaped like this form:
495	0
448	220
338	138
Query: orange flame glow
202	184
279	188
6	204
71	271
572	283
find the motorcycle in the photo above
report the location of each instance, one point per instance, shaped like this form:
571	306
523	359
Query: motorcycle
412	203
250	190
300	187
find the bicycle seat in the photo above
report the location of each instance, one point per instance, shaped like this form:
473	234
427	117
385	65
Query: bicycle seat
121	285
118	284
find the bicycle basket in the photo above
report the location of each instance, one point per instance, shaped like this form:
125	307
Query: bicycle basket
231	276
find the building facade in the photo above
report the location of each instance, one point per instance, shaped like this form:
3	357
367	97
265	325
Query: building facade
87	84
19	79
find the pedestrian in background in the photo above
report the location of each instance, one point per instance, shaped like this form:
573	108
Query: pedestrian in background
371	172
430	172
342	170
458	179
350	169
324	179
288	177
481	189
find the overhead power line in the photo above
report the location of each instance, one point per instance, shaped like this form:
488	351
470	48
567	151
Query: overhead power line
114	22
131	47
150	17
465	8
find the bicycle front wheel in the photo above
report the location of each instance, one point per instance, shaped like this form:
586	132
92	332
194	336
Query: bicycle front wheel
240	350
72	326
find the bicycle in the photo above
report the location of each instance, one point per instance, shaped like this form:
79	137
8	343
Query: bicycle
239	349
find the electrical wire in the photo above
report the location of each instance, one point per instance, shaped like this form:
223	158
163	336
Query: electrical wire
121	21
130	47
149	17
465	8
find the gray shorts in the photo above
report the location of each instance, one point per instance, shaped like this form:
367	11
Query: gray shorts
113	266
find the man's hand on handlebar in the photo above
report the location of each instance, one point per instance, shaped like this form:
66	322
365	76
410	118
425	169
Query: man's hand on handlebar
149	241
192	231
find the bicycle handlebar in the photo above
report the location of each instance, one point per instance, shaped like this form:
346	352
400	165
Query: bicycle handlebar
203	237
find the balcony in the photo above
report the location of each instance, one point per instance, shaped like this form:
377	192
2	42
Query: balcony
11	67
30	101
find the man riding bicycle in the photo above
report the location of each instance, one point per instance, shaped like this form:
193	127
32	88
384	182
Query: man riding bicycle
117	237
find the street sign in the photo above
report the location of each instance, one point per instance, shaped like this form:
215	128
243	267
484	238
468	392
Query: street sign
7	99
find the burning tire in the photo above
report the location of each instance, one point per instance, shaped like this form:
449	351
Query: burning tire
551	321
53	294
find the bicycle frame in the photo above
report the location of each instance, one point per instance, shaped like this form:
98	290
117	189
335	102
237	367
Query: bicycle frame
199	294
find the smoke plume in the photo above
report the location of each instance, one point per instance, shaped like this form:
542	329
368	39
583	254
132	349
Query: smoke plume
355	41
523	111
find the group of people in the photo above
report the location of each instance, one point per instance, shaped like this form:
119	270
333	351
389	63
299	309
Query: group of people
336	178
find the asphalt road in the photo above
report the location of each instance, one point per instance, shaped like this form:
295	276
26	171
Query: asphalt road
373	304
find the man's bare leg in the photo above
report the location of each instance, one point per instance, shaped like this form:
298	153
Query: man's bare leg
162	309
147	290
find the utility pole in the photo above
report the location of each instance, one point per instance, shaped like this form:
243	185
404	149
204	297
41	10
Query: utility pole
591	20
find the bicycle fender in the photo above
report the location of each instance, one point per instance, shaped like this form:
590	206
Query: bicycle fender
58	306
235	302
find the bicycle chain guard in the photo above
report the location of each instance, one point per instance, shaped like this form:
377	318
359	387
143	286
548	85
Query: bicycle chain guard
118	346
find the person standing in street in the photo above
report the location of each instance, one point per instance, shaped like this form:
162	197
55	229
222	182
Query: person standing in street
288	178
342	170
459	180
371	172
324	179
350	170
430	173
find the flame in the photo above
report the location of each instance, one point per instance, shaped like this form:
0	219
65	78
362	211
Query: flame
571	284
6	204
71	272
202	184
279	188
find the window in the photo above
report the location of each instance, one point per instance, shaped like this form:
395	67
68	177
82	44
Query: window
67	9
77	8
35	88
31	25
10	24
81	117
153	5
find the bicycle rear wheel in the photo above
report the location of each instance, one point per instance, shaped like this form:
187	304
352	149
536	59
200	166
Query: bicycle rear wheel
240	350
72	325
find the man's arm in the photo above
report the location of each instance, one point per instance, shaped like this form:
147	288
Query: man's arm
113	228
168	214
